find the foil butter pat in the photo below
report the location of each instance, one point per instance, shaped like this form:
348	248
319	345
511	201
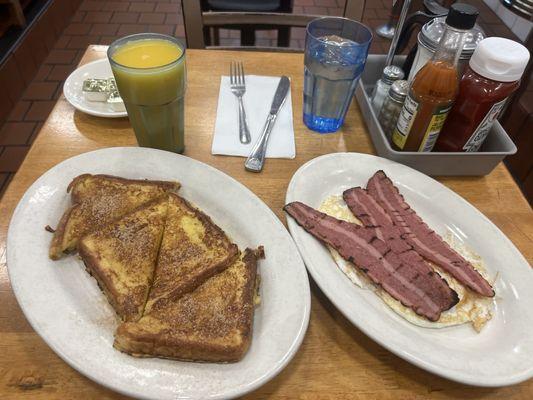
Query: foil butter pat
114	99
103	90
95	89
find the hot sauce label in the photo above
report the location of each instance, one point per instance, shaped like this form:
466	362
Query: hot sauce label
405	121
481	132
434	128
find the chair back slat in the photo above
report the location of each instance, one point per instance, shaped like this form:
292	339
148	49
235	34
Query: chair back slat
192	21
195	20
354	9
211	18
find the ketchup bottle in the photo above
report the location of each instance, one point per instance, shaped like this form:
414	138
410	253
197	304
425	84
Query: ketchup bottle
492	75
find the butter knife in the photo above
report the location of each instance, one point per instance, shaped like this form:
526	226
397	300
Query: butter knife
256	159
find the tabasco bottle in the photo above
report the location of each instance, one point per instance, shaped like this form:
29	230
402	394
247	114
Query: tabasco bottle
492	75
434	88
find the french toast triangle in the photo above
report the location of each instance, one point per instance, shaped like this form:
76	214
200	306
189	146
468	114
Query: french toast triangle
98	200
213	323
193	249
122	256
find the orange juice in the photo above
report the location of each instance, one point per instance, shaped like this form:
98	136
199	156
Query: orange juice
150	73
148	53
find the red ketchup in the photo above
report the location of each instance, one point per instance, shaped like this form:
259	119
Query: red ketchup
493	74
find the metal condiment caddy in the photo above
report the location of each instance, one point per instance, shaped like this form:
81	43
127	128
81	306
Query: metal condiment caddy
494	149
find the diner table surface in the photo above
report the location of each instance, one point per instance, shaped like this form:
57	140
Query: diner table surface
336	360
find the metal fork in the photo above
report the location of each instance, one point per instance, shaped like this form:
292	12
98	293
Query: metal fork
238	88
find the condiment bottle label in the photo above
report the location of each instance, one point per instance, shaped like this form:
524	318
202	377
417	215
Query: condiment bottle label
481	132
405	120
434	128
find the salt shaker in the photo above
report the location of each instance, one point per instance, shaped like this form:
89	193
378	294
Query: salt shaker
390	74
392	106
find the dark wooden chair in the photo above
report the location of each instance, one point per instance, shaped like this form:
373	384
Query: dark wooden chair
195	20
212	36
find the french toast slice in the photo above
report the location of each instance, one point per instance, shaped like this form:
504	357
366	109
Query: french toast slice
122	256
98	200
193	249
212	324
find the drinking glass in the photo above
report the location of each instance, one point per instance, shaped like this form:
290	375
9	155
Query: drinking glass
335	54
153	96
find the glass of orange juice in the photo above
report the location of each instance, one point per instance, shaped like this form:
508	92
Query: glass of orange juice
149	69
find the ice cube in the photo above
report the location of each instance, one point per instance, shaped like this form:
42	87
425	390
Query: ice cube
336	40
336	50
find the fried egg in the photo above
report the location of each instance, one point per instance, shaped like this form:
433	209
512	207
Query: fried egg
471	308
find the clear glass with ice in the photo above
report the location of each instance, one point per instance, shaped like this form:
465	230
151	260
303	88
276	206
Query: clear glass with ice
335	54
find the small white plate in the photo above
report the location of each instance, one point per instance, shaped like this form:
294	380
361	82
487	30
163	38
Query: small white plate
502	354
66	308
74	94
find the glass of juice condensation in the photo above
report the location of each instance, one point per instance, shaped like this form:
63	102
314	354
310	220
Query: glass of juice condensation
149	69
336	50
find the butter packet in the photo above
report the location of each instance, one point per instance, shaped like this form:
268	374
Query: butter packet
114	99
95	89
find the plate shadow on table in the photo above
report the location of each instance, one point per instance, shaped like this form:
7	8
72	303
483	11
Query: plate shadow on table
389	361
274	387
92	127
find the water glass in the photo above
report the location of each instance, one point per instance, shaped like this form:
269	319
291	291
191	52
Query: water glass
336	50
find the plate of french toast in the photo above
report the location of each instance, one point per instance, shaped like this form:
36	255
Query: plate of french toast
144	275
415	267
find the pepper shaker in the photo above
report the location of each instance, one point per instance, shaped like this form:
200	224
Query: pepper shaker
392	106
391	73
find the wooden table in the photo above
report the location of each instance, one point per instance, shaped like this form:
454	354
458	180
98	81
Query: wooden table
336	360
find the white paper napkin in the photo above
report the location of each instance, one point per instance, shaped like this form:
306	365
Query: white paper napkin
257	101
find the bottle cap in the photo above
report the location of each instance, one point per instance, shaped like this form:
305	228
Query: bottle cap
392	73
462	16
499	59
399	89
431	33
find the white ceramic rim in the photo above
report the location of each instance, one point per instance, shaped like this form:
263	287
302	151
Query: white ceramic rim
80	106
78	365
419	362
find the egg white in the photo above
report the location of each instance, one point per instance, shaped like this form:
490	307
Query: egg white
471	308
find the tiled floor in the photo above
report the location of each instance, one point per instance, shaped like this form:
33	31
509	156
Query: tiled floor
101	22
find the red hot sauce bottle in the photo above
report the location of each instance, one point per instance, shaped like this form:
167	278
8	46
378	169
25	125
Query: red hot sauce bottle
492	75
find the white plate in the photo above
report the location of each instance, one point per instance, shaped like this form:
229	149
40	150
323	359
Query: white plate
74	94
502	354
66	308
